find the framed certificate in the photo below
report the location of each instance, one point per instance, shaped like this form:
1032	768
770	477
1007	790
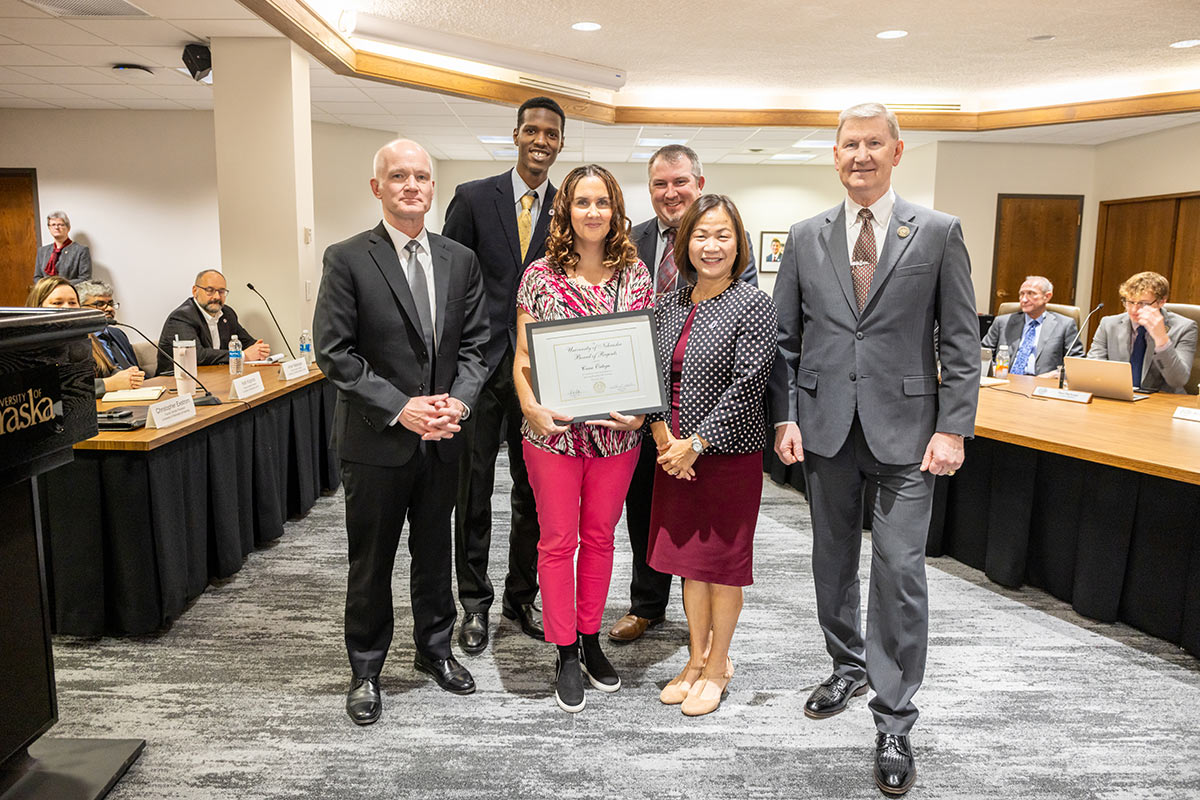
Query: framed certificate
589	366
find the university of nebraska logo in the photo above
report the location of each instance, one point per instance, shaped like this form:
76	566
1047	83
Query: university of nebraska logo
28	400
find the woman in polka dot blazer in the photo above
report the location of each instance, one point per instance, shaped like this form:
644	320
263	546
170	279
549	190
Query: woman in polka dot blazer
717	341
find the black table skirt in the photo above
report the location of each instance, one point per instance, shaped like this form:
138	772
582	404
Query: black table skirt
132	538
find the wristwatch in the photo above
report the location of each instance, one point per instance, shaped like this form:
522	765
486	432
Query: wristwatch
697	445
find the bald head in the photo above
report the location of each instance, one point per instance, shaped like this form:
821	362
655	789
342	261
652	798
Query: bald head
403	183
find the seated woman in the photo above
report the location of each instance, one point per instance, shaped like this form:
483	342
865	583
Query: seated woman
57	292
579	472
717	340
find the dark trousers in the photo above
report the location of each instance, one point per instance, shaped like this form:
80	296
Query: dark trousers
892	654
495	417
378	499
649	589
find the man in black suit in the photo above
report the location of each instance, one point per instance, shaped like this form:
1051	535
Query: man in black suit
676	181
99	295
205	318
400	330
504	219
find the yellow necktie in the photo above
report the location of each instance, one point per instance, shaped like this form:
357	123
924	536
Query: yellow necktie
525	223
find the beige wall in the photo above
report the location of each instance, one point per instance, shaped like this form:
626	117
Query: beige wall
1165	162
343	201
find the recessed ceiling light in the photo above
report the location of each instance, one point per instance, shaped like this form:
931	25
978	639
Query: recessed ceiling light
815	143
891	34
1185	43
506	152
641	156
793	157
651	142
1043	37
586	26
495	139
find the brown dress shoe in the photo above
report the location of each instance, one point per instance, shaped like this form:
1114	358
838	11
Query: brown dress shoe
631	627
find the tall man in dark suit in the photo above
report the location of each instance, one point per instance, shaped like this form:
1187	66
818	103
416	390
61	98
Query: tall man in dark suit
676	180
860	290
206	319
504	219
99	295
400	330
1037	339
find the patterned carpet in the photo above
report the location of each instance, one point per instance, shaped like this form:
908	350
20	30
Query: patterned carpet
243	697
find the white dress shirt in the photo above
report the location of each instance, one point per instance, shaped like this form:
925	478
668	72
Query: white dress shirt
881	211
213	334
424	260
519	190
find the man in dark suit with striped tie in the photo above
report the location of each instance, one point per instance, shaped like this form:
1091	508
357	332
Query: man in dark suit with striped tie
504	219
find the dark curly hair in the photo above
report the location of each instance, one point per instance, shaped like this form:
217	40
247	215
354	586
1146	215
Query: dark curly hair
619	251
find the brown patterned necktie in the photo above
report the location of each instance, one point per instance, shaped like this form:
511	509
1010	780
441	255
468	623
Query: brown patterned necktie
864	259
667	273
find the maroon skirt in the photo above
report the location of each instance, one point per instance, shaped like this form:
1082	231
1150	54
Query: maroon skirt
703	529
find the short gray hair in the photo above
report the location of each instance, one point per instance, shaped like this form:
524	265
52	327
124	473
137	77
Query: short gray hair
59	215
1044	285
674	153
870	111
93	288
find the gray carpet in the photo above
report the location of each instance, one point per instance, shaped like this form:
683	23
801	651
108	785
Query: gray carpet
243	696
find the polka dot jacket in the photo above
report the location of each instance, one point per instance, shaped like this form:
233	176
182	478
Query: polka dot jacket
728	359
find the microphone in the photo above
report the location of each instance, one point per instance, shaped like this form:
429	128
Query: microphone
209	399
1063	372
286	344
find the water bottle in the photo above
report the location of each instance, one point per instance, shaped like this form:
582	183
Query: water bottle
235	356
306	350
1003	359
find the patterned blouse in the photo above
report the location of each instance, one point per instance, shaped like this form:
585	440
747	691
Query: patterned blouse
546	294
730	350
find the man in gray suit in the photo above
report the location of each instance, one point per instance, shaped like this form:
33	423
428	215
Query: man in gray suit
63	257
855	395
1158	344
1037	339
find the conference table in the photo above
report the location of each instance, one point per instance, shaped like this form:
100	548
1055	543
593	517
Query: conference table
1098	504
140	523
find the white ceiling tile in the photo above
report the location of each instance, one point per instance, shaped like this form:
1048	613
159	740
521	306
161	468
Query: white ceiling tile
92	55
197	91
163	56
151	104
416	109
339	94
15	8
190	9
23	102
740	159
80	75
213	28
13	76
324	77
113	91
338	109
26	56
48	31
135	32
86	102
384	121
44	91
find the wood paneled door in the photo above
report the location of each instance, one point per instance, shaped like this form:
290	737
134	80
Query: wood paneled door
18	234
1036	234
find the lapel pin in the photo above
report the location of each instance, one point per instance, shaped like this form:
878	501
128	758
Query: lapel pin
902	232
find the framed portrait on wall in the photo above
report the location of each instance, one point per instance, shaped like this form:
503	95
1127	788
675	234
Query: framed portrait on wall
770	250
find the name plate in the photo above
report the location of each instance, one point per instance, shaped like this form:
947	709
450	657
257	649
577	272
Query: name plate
246	386
170	412
290	370
1190	414
1051	393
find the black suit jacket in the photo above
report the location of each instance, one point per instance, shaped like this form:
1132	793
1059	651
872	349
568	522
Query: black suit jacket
370	346
118	343
645	237
482	215
189	323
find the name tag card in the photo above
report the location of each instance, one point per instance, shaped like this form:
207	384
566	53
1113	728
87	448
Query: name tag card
246	386
290	370
1050	393
170	412
1190	414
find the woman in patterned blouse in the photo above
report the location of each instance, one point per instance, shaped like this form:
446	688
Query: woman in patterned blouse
579	472
717	340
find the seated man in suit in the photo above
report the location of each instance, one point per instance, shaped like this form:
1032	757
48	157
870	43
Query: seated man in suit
99	295
205	318
1037	339
63	257
1158	344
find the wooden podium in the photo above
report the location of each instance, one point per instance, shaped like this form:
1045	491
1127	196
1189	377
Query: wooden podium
46	406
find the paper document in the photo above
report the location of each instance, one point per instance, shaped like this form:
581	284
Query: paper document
126	395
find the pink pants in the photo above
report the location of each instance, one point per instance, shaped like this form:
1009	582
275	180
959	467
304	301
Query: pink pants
578	505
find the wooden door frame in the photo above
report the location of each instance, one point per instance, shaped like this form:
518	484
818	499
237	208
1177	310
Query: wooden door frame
996	239
31	172
1102	229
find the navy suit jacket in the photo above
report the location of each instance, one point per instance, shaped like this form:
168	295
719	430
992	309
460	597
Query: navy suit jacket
645	237
118	346
482	215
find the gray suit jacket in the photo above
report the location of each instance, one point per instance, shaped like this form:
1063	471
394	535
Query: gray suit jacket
645	237
881	363
1057	332
74	262
1166	370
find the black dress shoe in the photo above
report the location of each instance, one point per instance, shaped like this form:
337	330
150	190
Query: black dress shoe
363	702
473	633
528	618
895	769
832	696
449	674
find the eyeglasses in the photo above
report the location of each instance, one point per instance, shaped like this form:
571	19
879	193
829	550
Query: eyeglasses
210	291
103	304
1138	304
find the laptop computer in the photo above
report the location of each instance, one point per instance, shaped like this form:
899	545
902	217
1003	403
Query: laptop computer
1113	379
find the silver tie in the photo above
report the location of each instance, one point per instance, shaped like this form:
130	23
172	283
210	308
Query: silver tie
419	287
